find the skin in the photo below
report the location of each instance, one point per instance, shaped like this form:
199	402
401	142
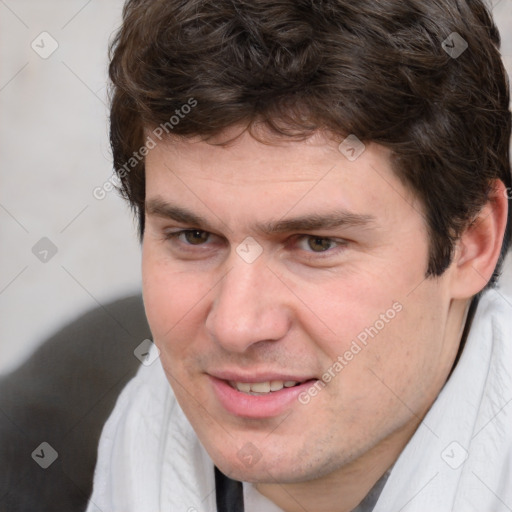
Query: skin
296	309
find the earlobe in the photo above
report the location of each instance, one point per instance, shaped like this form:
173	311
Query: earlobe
478	249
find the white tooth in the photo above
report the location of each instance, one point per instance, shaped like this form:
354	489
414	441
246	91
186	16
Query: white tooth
276	385
245	387
260	387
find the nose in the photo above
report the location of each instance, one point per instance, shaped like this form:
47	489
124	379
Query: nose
250	305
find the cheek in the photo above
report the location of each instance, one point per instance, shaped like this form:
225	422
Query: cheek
352	308
174	305
380	333
171	297
402	359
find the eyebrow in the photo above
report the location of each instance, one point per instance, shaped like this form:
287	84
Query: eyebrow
330	220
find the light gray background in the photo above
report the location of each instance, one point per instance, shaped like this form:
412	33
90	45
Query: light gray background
53	152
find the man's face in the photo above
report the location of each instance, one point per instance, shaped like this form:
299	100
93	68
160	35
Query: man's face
330	285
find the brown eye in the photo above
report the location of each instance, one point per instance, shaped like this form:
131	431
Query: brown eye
196	237
319	244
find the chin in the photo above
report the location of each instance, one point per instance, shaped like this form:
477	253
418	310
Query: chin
271	468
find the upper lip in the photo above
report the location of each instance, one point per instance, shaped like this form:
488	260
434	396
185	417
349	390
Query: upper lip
255	376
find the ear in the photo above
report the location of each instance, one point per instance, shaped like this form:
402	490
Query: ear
479	247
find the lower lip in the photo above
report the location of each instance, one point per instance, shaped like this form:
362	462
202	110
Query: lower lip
257	406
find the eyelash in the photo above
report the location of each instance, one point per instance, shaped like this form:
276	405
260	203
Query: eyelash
174	235
341	244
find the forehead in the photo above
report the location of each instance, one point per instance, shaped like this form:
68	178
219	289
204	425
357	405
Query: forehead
254	177
234	156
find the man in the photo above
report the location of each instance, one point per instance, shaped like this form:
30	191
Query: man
322	192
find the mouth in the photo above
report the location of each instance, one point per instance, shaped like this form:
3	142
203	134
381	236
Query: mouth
258	398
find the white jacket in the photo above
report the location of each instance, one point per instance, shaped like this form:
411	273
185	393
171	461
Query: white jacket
459	459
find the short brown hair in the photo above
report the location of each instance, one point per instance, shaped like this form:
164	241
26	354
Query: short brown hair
374	69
